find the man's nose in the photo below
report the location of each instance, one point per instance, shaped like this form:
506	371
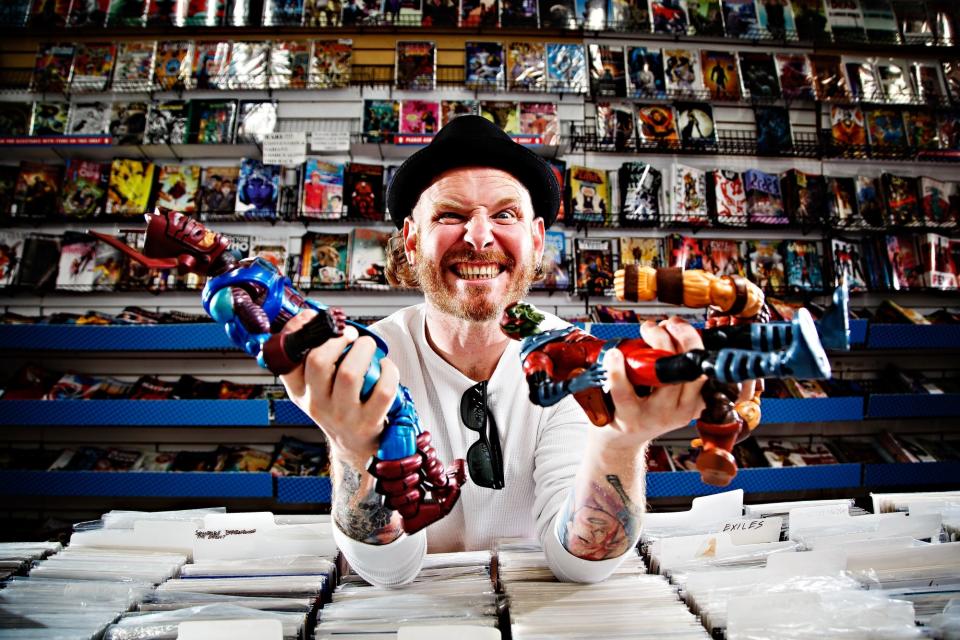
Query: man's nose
479	231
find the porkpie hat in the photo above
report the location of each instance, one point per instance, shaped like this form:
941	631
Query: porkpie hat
473	141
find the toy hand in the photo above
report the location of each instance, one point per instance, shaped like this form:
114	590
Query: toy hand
595	376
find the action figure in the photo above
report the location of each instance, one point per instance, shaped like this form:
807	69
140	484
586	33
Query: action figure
253	302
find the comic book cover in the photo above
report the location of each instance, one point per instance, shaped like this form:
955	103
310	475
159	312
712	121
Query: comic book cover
656	124
211	65
49	118
88	13
841	201
885	127
775	17
640	188
847	263
948	127
764	202
50	13
594	265
161	13
84	188
926	79
14	13
282	13
593	14
803	265
172	65
361	12
847	125
381	119
323	260
758	73
645	73
615	126
479	13
556	274
796	77
668	16
720	74
11	252
765	265
202	13
39	262
330	64
77	254
935	200
450	109
38	190
218	192
484	65
921	127
88	119
368	258
518	13
879	21
128	122
939	271
540	119
421	117
728	200
845	20
503	113
526	63
248	67
645	252
774	135
689	195
680	72
829	82
723	257
363	188
127	13
322	190
804	196
92	64
108	264
870	201
862	80
560	15
894	80
608	77
255	119
134	68
167	122
951	76
589	194
322	13
631	16
416	65
906	270
566	68
178	185
740	19
903	203
914	22
258	190
15	118
811	19
439	13
696	125
131	185
51	70
212	121
706	17
684	252
288	64
8	189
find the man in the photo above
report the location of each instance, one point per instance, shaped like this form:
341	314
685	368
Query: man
472	207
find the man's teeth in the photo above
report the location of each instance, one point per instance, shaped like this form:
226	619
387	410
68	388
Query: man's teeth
478	273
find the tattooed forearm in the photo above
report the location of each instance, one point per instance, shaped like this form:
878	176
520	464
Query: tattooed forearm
358	511
600	524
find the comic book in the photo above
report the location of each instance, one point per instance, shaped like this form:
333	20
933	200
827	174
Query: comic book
740	19
796	76
847	263
440	13
727	198
870	201
645	252
38	190
906	270
845	20
559	168
322	190
556	273
803	265
127	13
11	252
901	195
706	17
330	64
939	271
668	16
211	65
921	129
539	119
640	188
108	265
879	21
589	195
559	15
951	76
14	13
92	64
381	119
723	257
323	260
948	126
322	13
656	124
645	73
77	256
217	196
450	109
128	122
476	13
83	13
84	188
608	76
526	63
484	65
720	74
630	16
926	79
363	188
566	68
594	265
368	258
51	70
811	19
248	67
681	72
764	202
841	201
829	81
885	127
689	195
212	121
205	13
288	64
518	13
134	68
416	65
178	185
49	118
914	22
131	185
895	82
804	196
167	122
758	73
420	117
39	262
8	189
615	126
258	189
592	13
774	135
862	80
847	126
765	265
684	252
172	65
161	13
15	118
255	119
282	13
503	113
935	196
88	119
696	125
775	17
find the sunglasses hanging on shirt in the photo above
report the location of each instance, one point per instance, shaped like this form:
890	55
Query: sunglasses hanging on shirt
484	457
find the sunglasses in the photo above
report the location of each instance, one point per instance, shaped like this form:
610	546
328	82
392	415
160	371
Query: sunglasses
484	458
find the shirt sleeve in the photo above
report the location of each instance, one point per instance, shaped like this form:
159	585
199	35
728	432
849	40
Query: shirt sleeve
557	458
384	565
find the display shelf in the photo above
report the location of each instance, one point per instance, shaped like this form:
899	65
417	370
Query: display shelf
137	413
162	337
911	474
688	483
136	484
304	489
286	413
913	405
30	149
912	336
611	331
778	410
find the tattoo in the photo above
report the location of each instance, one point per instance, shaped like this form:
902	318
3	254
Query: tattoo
362	517
602	525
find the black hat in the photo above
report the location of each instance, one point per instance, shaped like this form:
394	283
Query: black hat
473	141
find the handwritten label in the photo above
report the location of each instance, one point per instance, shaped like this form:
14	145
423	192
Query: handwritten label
220	534
285	148
330	140
807	518
753	531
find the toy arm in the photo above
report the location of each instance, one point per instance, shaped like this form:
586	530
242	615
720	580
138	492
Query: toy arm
694	288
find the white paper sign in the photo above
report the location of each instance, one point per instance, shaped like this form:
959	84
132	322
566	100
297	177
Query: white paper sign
285	148
330	140
230	630
754	531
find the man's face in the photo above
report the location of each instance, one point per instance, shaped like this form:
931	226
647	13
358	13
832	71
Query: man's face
474	242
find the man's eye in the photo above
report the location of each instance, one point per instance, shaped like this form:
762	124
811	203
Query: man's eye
449	217
506	215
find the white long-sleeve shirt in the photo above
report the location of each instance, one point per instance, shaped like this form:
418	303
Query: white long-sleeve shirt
542	448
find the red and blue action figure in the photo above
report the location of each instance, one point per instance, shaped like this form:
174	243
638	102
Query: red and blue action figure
253	301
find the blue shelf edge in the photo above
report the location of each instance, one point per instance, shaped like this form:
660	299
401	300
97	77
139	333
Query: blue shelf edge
913	405
913	336
286	413
858	331
766	480
161	337
136	484
775	410
137	413
907	474
304	489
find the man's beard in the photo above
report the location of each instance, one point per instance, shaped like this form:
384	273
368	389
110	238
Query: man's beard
474	303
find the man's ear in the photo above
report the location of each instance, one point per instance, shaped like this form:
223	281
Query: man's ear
410	239
539	233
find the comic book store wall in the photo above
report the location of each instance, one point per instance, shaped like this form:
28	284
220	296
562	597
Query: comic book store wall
800	144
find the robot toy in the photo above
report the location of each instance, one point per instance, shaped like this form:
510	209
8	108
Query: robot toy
253	301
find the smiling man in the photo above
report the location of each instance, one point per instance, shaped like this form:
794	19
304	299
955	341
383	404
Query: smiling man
472	208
